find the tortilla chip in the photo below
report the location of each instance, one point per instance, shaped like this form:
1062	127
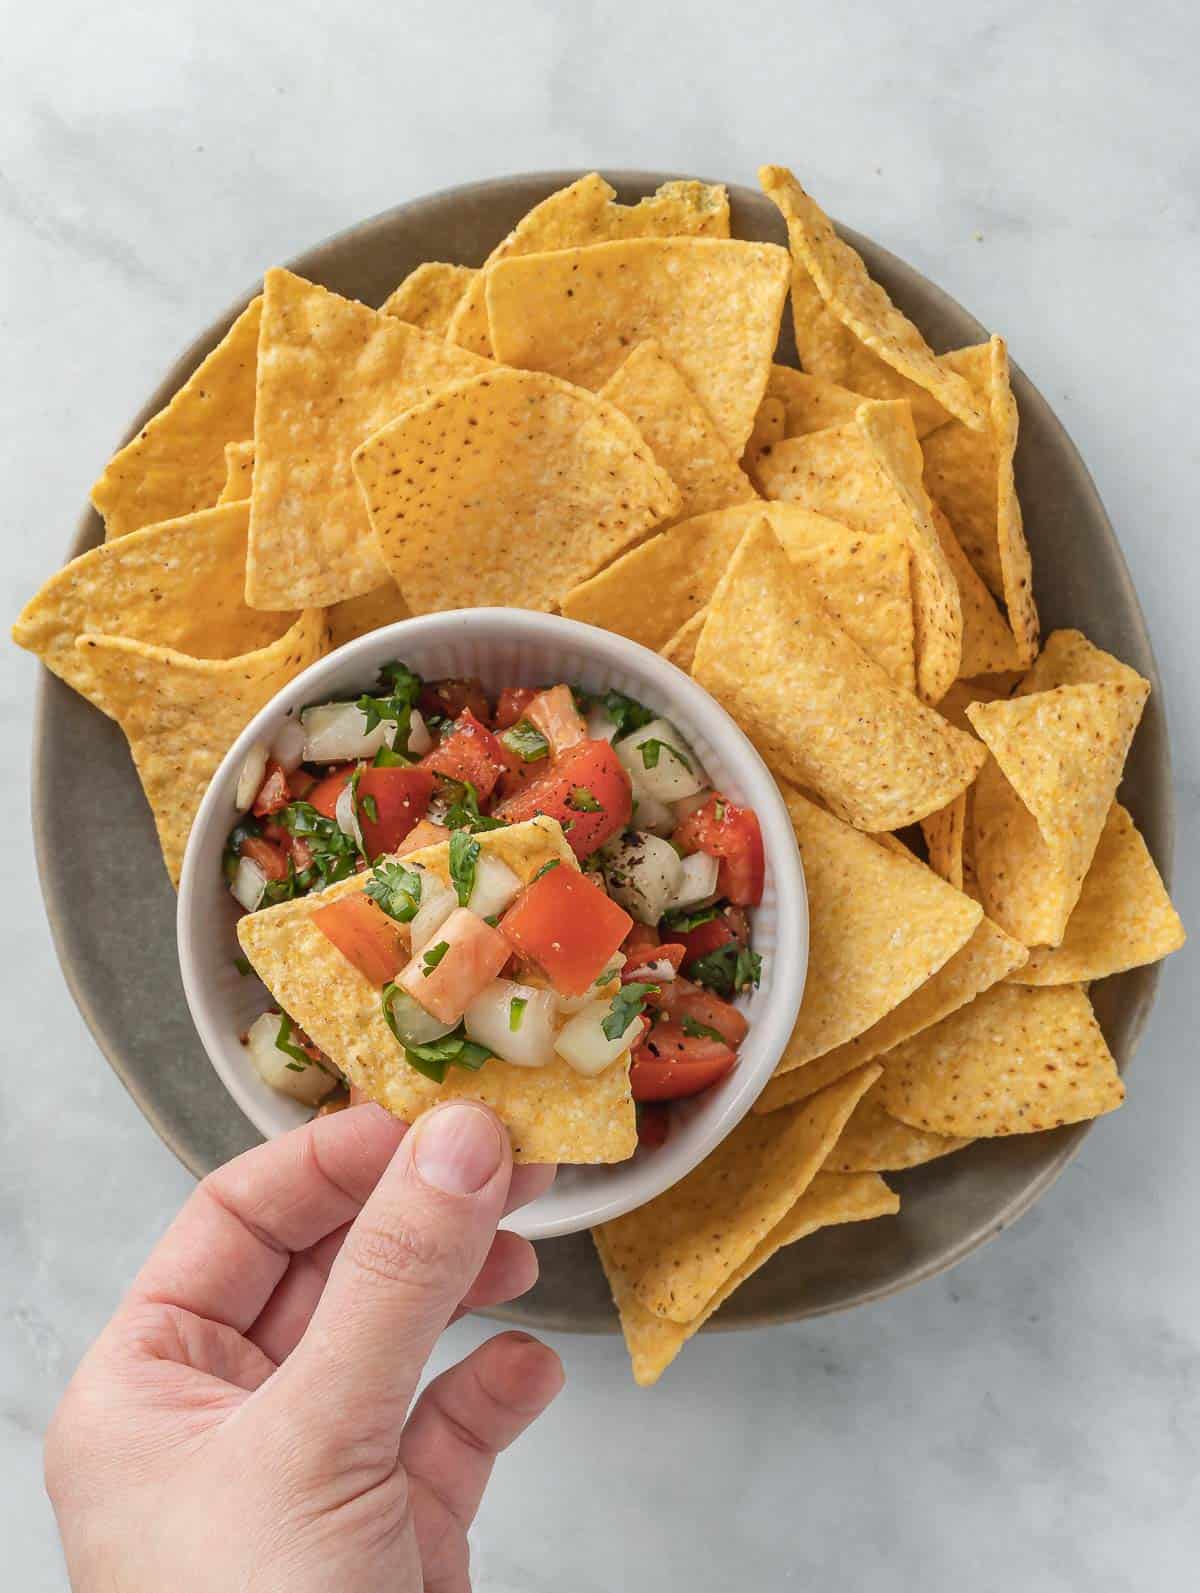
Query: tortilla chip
1123	917
508	490
681	1247
879	926
1043	797
1016	1061
944	832
712	304
654	1341
370	612
769	421
429	296
587	212
178	585
680	649
875	1142
852	301
239	471
181	715
868	475
970	474
176	463
330	372
1069	659
553	1113
651	592
821	712
682	436
988	645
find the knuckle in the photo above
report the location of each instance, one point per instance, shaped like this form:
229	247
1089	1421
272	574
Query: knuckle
400	1253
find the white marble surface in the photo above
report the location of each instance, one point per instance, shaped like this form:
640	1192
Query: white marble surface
1032	1420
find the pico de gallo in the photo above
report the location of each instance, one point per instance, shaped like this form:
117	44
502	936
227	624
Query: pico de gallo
644	948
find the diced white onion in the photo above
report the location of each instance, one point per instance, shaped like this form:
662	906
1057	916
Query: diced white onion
599	726
249	883
411	1024
583	1044
306	1082
495	887
251	777
688	805
608	974
699	880
643	873
652	815
489	1021
659	972
419	740
438	901
345	815
288	746
337	731
671	777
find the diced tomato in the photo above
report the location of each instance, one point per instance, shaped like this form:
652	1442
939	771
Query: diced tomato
300	783
469	752
449	698
729	924
589	771
424	834
554	713
467	955
324	795
647	958
270	858
365	934
398	797
653	1125
512	705
670	1064
568	926
519	774
639	940
681	999
274	793
730	834
295	845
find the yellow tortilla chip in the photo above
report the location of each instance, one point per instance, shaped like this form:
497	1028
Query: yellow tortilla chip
868	475
1016	1061
176	463
651	592
680	649
587	212
654	1341
178	585
1043	797
875	1142
429	296
181	715
1123	917
239	470
370	612
821	712
682	435
812	403
880	925
970	474
768	428
681	1247
712	304
552	1113
508	490
849	298
988	645
330	372
944	832
1069	659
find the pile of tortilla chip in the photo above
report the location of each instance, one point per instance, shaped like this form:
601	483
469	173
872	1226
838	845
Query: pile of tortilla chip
593	421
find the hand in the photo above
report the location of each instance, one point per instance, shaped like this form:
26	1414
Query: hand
246	1420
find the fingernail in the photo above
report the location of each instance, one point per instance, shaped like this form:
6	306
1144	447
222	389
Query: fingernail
458	1149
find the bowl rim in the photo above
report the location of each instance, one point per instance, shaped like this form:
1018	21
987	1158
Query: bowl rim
784	981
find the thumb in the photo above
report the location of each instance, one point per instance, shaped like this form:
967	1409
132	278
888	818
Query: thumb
408	1259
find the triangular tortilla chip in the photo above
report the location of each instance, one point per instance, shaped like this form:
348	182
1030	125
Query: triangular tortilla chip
552	1113
654	1341
712	304
429	296
239	470
875	1142
508	490
849	296
821	712
1043	797
768	428
587	212
1123	917
988	645
370	612
812	403
944	832
680	649
330	372
680	1248
178	585
1069	659
1016	1061
176	463
682	435
181	715
970	474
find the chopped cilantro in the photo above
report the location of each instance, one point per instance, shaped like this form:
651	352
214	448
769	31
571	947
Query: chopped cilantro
398	689
627	1004
516	1011
243	966
728	969
368	805
397	890
283	1042
388	758
464	858
719	810
464	811
526	740
652	749
433	956
625	712
546	867
433	1058
685	919
700	1031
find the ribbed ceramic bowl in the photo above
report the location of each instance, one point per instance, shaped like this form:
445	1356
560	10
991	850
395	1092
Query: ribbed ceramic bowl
510	647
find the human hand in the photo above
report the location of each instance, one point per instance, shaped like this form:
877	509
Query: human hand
246	1420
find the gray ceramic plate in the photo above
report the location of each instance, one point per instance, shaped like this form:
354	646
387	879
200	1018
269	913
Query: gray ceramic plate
112	909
